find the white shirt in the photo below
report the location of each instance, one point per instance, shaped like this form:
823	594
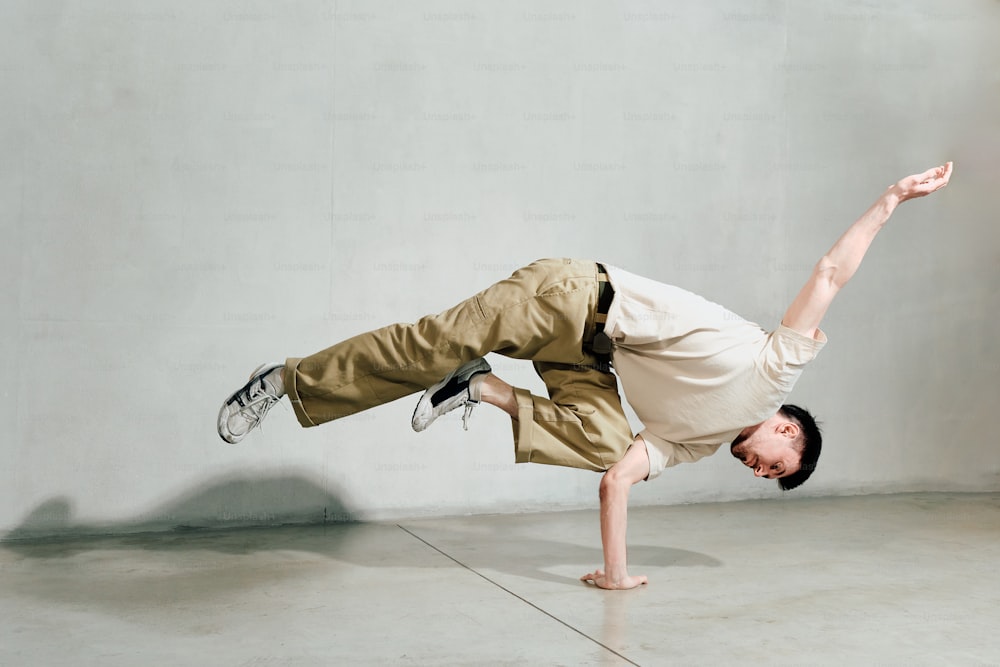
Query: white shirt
695	373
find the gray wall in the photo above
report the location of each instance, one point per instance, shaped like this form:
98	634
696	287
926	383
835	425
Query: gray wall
190	189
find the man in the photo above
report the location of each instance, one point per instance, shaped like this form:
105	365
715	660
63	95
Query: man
696	375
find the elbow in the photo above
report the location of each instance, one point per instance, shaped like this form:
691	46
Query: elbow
826	266
828	274
612	484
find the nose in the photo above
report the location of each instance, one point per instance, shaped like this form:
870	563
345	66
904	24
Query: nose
758	471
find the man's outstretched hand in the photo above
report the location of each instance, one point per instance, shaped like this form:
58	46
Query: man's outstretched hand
920	185
599	579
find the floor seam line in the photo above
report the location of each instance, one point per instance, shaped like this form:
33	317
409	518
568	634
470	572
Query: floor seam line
513	594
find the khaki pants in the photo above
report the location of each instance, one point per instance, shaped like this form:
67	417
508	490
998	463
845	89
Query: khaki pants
543	312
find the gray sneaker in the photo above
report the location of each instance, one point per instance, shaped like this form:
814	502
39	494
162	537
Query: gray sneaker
246	408
454	391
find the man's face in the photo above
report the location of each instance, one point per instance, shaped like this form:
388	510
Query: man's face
769	448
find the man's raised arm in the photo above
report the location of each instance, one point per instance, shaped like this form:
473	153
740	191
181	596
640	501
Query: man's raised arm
838	265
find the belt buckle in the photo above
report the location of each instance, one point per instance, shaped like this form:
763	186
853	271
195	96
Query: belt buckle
601	345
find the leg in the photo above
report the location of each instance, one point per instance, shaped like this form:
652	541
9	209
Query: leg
541	312
580	425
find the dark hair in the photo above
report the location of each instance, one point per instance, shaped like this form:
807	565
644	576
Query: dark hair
812	445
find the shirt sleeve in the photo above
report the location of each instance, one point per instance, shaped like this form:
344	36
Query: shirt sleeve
787	352
664	454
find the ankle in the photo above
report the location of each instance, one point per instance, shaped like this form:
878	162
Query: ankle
496	392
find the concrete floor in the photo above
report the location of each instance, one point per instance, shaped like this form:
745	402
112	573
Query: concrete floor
902	580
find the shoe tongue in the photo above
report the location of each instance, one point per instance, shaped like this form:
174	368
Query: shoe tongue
276	382
475	386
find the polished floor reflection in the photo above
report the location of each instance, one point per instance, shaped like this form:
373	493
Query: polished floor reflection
903	579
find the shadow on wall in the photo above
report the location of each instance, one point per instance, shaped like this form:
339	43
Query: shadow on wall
228	502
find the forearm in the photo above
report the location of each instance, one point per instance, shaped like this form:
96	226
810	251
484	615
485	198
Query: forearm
843	259
839	265
615	486
614	520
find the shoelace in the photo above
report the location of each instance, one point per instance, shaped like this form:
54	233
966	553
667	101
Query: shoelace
259	403
469	404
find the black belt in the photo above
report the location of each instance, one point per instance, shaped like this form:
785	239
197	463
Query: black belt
600	343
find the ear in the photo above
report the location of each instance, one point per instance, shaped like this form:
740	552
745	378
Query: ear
789	430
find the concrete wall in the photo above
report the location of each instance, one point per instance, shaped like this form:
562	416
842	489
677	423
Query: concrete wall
190	189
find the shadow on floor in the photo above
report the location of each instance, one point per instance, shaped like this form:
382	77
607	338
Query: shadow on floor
527	556
173	531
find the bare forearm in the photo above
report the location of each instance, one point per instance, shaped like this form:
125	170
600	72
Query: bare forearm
844	258
614	521
839	265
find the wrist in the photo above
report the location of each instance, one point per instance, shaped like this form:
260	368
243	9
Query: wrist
615	572
891	198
